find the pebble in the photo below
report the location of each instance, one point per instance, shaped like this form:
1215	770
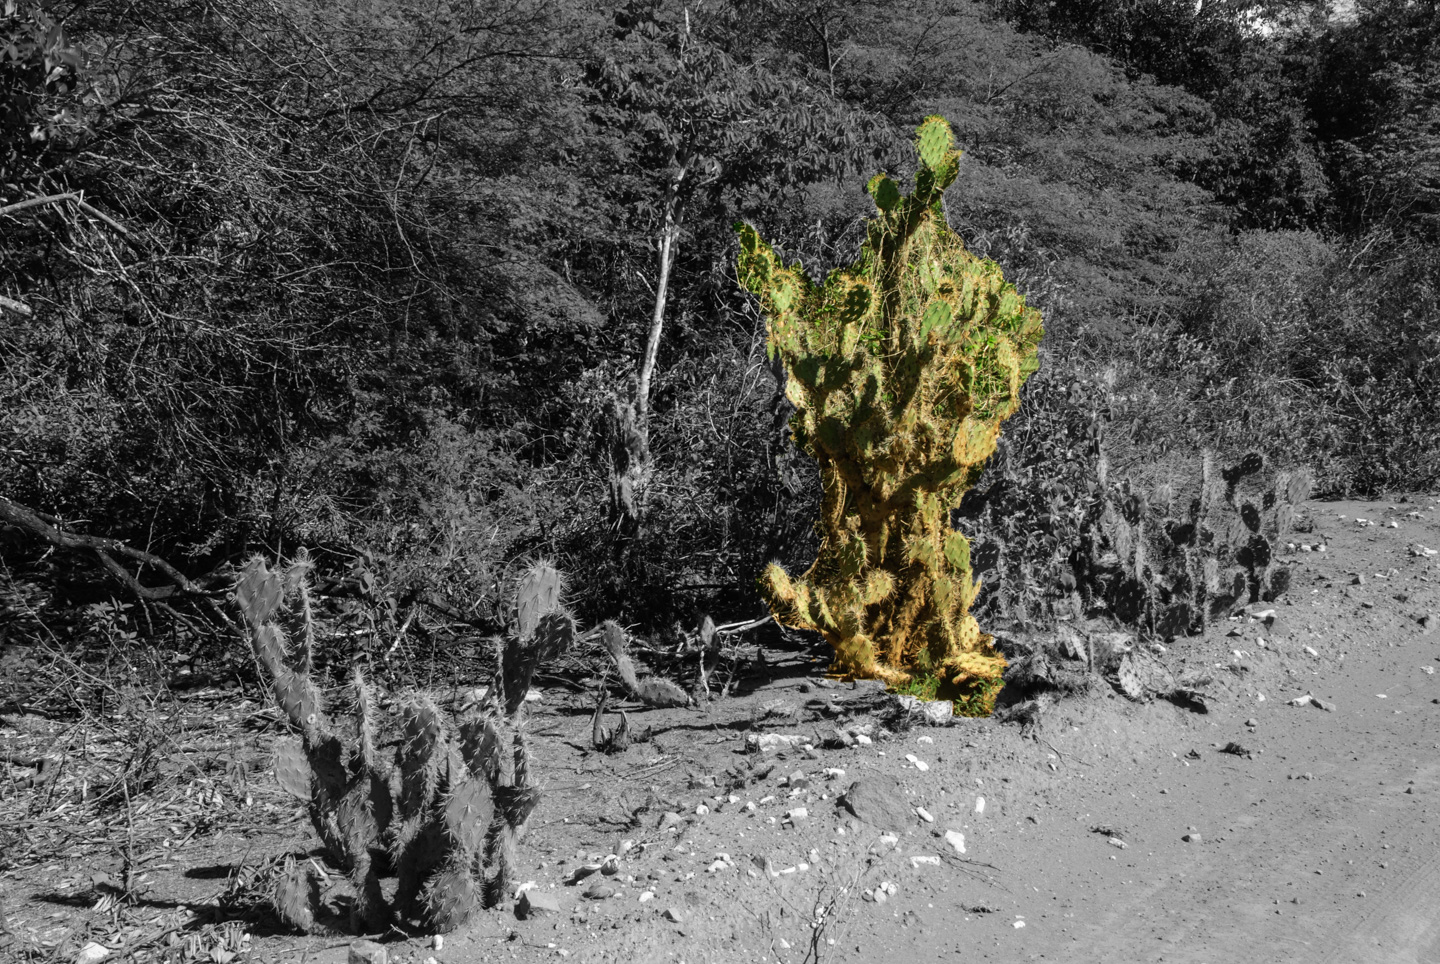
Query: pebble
834	773
955	839
797	814
672	915
924	860
918	763
93	953
1192	838
862	739
924	814
979	804
798	780
599	891
647	896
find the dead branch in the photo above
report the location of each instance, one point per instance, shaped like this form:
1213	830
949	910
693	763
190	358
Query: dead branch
106	550
18	307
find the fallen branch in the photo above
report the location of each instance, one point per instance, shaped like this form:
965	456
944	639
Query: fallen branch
18	307
106	550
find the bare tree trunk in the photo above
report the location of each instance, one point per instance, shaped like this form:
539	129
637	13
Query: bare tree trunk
669	235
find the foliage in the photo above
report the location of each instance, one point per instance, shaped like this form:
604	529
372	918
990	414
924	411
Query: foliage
368	280
901	369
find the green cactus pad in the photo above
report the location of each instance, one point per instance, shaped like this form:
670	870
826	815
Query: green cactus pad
292	770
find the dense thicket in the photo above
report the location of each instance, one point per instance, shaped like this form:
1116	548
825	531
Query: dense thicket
372	279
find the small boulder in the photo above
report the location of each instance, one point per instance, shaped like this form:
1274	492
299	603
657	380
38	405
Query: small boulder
878	802
536	903
368	952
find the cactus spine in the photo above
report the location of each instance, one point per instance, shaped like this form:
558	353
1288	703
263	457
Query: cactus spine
450	820
901	368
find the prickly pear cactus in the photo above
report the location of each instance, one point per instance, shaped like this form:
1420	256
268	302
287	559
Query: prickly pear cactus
902	368
448	817
1174	565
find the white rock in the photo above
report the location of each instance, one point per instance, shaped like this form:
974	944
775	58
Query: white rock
862	740
797	814
925	739
925	860
647	895
768	742
924	814
955	839
918	763
92	953
1311	651
979	804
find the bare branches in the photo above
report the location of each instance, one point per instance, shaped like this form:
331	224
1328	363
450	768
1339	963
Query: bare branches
106	550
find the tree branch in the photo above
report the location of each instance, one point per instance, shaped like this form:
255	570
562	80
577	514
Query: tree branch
27	520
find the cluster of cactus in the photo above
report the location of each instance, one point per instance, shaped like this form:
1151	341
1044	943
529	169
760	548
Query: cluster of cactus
446	815
901	368
1183	563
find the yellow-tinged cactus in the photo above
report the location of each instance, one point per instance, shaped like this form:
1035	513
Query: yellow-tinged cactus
901	368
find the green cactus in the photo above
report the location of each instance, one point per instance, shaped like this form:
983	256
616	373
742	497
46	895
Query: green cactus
449	822
901	368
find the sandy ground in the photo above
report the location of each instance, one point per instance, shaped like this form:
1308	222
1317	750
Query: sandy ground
1320	843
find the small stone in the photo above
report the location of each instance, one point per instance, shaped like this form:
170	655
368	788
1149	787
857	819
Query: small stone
648	895
610	866
599	891
879	802
581	872
671	820
1311	650
1428	623
798	780
979	804
797	814
1252	722
93	953
701	810
1117	842
1359	580
918	763
925	860
834	773
438	942
536	903
672	915
924	814
862	740
1192	838
368	952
